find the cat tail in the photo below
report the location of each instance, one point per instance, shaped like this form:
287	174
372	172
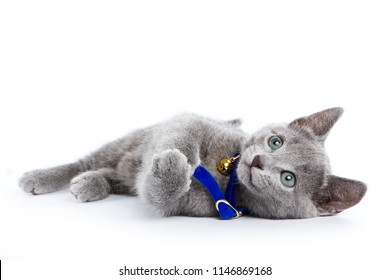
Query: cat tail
48	180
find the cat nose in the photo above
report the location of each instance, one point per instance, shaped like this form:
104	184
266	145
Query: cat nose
257	162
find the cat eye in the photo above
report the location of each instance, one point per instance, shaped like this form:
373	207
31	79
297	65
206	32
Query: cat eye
288	179
275	142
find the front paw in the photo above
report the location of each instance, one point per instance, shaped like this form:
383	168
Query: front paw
172	168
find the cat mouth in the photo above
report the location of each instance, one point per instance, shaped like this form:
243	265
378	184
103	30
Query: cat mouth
252	176
257	178
255	175
249	171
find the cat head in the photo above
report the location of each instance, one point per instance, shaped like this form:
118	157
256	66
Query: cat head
287	172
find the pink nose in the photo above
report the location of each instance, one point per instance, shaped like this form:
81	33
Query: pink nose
257	162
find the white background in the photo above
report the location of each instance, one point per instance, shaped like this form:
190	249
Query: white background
76	74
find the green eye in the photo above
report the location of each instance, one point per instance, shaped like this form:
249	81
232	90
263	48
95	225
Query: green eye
275	142
288	179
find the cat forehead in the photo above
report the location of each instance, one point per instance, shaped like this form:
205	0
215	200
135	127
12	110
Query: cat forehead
283	131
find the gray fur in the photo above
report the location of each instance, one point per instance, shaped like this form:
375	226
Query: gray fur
157	162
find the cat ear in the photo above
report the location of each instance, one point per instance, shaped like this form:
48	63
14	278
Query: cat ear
319	123
341	194
235	122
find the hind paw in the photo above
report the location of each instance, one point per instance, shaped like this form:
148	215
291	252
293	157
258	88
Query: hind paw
89	186
37	182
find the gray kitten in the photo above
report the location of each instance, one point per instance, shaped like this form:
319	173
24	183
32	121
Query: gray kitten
283	171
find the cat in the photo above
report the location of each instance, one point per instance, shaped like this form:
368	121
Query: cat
283	171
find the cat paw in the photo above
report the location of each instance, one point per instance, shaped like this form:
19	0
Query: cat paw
171	166
37	182
89	186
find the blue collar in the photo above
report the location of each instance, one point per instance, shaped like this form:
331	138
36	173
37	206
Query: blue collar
225	204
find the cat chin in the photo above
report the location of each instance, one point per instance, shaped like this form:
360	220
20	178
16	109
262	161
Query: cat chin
244	174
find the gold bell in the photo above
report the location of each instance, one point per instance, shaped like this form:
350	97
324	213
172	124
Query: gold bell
225	165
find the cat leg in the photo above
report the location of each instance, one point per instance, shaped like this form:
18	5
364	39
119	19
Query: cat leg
92	185
48	180
166	181
53	179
